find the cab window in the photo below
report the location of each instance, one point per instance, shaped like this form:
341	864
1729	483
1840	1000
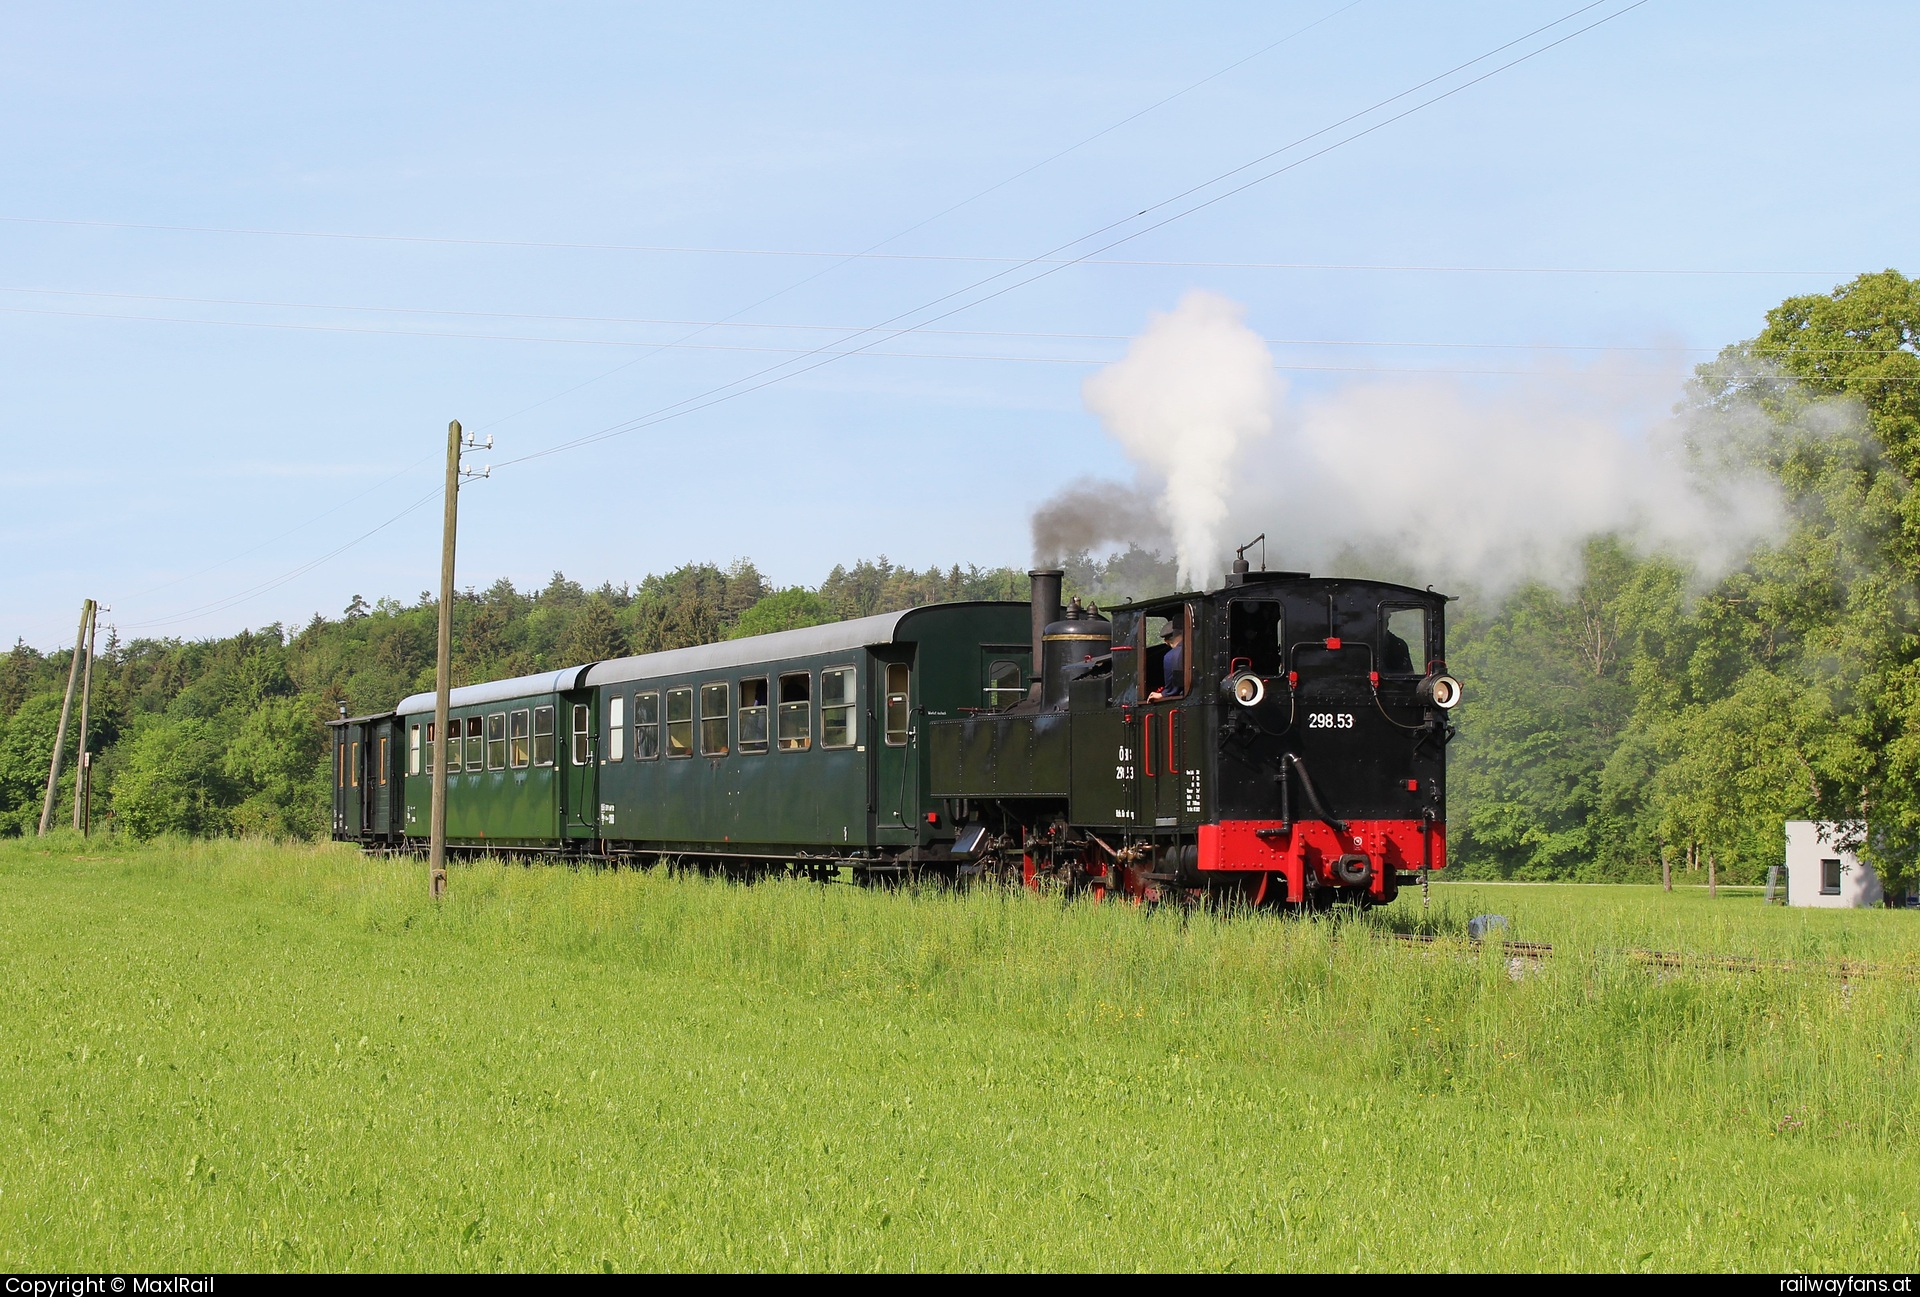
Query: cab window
1167	673
1254	636
1403	643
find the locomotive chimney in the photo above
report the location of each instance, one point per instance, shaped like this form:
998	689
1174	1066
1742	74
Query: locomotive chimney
1046	611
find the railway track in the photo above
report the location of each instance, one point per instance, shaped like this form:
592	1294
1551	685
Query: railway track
1845	969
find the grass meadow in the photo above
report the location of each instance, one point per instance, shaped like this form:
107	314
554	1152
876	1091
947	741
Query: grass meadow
232	1056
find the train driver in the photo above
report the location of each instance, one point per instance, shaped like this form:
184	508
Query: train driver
1173	672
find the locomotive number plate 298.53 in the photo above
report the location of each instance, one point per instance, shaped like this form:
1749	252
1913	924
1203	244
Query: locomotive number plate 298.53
1329	720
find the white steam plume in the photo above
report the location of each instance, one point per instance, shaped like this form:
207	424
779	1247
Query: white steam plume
1192	394
1453	481
1499	487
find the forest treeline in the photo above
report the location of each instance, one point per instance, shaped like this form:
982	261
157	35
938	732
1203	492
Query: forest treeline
1630	713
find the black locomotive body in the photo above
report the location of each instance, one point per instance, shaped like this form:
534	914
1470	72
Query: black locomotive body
1296	753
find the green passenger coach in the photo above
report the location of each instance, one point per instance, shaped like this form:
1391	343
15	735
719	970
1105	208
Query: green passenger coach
804	745
508	783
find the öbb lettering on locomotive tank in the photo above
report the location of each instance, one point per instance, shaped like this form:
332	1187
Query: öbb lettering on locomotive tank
1295	752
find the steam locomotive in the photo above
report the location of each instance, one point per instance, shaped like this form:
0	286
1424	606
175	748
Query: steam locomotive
1291	751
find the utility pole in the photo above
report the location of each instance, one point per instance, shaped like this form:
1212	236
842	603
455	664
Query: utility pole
66	708
443	664
83	776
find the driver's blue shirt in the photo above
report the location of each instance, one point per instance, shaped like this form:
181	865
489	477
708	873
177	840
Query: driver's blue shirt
1173	673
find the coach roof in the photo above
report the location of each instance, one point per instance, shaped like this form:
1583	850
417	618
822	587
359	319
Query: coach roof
807	641
497	691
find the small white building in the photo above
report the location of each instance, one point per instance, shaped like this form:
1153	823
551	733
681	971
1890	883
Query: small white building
1819	872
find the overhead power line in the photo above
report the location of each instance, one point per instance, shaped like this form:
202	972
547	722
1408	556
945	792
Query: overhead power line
826	355
274	583
1053	260
872	249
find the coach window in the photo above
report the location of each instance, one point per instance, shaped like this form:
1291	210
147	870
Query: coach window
543	736
453	745
497	741
839	724
1254	636
1006	684
476	743
753	714
679	722
522	746
616	728
1403	647
582	734
713	719
429	747
413	750
796	712
899	687
646	726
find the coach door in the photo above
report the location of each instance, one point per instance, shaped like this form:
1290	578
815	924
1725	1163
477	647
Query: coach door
581	812
380	776
348	762
895	794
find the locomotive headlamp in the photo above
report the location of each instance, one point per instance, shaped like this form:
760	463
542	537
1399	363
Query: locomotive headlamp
1247	689
1443	691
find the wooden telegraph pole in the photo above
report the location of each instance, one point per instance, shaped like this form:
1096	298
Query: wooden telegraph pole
443	664
443	672
66	708
83	775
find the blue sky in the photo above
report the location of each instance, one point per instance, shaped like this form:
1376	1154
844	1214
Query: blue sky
186	399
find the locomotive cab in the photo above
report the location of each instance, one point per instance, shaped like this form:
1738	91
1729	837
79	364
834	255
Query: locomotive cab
1330	767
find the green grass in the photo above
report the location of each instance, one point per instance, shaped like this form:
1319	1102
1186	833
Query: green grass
237	1056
